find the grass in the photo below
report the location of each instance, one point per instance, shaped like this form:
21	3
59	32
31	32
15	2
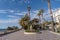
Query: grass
32	31
27	30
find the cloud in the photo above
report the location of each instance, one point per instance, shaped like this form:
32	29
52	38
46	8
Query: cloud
20	13
8	21
35	11
11	16
7	11
34	14
3	11
46	14
11	11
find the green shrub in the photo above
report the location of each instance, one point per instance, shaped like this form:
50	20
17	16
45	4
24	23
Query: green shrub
58	29
32	31
9	28
37	31
27	30
46	27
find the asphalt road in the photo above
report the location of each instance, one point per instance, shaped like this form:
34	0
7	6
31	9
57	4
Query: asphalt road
45	35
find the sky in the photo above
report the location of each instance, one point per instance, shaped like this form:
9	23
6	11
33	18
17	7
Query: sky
11	11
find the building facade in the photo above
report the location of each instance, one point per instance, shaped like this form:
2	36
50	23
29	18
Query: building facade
56	15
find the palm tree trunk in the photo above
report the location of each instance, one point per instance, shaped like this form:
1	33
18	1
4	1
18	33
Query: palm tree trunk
42	20
39	21
51	14
29	14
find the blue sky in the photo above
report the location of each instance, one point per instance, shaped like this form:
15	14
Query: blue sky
13	10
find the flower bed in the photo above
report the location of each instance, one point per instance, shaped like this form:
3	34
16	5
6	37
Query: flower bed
31	32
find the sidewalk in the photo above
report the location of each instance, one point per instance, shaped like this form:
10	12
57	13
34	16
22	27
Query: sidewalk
45	35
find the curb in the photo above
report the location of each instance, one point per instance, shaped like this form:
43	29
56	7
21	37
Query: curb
54	33
29	33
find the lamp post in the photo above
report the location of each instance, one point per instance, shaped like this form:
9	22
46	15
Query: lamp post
29	11
28	8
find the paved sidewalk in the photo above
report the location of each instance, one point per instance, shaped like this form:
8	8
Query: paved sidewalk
45	35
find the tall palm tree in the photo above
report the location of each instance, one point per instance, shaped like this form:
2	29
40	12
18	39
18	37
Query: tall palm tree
51	14
40	14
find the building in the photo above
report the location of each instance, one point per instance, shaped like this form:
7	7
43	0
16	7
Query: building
56	15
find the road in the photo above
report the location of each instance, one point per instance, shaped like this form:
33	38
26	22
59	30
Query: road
45	35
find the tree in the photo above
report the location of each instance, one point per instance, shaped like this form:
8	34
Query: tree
9	28
15	27
40	14
35	23
24	22
12	28
51	14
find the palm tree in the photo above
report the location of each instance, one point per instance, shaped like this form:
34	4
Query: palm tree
29	10
24	22
40	14
51	14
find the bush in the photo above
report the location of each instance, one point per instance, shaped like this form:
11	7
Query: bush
58	29
27	30
37	31
26	27
9	28
32	31
46	28
13	28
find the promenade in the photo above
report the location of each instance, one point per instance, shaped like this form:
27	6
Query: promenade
19	35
